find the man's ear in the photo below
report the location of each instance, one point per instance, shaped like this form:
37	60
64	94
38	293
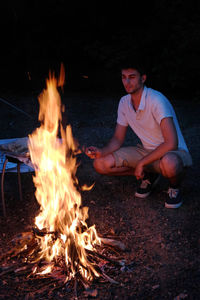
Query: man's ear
144	77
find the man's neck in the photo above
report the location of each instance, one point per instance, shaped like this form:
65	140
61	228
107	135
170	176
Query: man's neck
136	98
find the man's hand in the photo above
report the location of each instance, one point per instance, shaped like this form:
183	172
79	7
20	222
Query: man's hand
113	145
93	152
139	171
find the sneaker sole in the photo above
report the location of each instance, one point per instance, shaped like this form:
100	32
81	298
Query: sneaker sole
173	205
142	196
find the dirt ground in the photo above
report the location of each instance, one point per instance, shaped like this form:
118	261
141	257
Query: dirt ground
162	245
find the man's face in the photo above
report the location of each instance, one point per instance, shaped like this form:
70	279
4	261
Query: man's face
132	80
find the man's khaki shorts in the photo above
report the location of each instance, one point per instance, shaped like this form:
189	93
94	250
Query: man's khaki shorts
129	157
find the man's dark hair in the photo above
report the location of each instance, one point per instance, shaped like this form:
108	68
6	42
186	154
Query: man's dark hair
133	62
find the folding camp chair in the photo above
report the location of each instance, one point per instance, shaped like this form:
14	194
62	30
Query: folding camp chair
12	162
10	158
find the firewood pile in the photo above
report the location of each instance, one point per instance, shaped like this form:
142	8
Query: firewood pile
22	265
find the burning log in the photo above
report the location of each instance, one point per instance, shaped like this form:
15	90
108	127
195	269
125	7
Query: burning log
27	263
101	256
113	243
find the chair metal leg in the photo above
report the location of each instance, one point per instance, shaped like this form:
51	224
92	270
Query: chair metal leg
2	187
2	184
19	181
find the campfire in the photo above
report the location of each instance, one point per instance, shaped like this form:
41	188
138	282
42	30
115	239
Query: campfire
60	246
61	215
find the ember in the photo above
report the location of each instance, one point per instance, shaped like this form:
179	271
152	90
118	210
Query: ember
60	246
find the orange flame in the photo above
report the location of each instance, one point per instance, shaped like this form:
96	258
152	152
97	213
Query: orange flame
55	181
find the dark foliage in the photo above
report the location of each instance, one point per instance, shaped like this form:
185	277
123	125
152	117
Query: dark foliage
91	38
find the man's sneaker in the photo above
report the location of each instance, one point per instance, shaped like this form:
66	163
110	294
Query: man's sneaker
147	185
174	199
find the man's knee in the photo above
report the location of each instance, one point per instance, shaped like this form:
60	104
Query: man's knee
102	165
171	165
98	166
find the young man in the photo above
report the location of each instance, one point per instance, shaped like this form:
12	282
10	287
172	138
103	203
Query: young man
163	149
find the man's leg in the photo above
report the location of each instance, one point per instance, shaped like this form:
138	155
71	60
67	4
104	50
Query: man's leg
123	162
172	168
107	166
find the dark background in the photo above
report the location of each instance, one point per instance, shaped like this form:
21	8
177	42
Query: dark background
91	37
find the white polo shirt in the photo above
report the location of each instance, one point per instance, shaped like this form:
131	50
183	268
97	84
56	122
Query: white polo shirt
145	122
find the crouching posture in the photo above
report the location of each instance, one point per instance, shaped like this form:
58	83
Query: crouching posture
162	151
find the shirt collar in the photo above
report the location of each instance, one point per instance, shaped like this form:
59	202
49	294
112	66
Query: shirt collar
143	99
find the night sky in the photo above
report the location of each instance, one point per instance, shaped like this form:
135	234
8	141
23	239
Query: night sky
90	37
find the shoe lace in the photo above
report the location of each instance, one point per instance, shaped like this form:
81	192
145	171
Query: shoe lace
144	184
172	192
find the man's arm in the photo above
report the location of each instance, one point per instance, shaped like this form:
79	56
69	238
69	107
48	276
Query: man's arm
113	145
170	143
116	141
